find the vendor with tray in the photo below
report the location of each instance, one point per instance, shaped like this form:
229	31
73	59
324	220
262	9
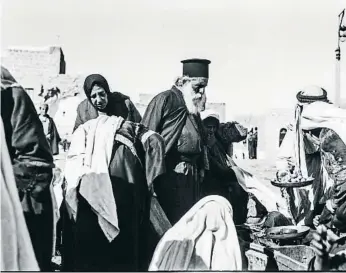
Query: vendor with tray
312	158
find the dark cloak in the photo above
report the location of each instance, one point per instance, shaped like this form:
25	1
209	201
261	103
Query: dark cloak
32	162
177	191
251	146
85	247
118	105
167	114
54	136
221	180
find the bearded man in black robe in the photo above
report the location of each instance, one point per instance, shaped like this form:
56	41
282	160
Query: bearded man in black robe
174	114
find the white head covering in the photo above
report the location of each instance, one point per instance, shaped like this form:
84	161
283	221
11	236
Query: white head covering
205	238
311	94
210	113
312	90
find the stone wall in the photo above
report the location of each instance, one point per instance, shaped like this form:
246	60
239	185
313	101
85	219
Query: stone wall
32	66
269	125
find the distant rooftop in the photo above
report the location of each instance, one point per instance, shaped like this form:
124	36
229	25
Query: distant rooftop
30	48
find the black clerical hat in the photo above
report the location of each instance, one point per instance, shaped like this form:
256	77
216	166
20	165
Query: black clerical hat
196	68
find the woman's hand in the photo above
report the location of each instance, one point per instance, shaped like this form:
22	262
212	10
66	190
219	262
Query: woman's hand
322	243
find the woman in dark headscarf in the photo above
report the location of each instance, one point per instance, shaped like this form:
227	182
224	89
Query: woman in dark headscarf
100	100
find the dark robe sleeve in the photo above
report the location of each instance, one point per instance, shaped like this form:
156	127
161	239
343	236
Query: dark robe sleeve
134	114
154	148
231	132
155	113
26	139
166	115
54	137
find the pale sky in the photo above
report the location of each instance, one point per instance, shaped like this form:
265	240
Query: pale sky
262	51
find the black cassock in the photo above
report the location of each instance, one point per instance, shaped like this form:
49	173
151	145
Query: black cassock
179	188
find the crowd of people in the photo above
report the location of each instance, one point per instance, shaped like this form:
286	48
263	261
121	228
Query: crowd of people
119	163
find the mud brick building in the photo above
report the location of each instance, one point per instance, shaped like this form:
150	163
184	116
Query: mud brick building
45	67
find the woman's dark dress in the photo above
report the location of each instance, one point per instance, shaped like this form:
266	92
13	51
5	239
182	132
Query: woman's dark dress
85	247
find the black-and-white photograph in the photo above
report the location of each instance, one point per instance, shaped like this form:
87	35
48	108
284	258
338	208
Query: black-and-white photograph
173	135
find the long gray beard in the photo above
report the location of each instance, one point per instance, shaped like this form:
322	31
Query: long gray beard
192	108
192	104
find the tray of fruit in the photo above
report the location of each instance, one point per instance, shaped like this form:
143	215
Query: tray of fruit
287	232
291	179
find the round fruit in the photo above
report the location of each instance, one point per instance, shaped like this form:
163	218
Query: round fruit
288	231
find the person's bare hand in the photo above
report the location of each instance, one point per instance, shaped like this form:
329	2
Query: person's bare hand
322	243
316	220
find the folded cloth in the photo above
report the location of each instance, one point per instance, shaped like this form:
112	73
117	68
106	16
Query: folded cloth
205	238
318	115
87	163
270	200
17	253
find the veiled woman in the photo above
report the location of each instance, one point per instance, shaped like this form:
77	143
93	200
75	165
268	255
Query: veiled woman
101	101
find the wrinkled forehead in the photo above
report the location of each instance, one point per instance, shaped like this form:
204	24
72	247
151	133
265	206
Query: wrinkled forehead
97	89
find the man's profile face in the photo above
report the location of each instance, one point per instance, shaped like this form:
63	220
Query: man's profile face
198	87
